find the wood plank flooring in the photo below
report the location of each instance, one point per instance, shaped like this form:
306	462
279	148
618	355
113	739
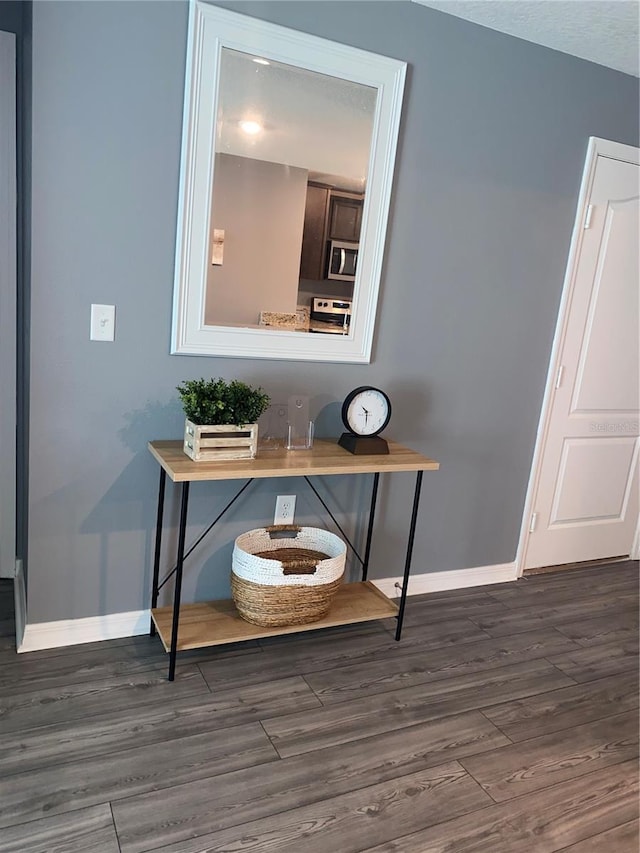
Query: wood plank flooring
505	721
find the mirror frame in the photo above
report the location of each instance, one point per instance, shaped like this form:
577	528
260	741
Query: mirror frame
210	30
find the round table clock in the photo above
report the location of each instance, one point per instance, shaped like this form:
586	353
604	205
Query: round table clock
366	411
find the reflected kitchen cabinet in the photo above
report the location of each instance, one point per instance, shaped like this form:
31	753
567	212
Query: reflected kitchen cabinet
345	216
330	214
313	235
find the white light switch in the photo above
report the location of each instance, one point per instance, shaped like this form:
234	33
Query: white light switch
103	322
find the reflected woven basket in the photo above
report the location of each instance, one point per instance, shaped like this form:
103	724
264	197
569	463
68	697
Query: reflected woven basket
286	575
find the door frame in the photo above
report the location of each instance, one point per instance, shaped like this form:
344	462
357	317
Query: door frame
8	298
596	148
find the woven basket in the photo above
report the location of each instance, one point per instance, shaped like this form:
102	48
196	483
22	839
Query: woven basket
286	575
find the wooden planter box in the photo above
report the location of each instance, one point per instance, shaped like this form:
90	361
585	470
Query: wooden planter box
219	443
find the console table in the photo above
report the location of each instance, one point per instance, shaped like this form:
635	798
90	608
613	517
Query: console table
212	623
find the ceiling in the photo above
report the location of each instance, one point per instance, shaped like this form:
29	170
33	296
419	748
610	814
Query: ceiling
602	31
302	118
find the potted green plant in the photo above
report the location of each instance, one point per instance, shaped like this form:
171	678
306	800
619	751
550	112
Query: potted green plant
221	418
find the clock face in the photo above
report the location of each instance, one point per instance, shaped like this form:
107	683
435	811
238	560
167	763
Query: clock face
366	411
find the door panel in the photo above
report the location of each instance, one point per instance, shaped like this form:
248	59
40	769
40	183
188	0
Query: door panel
611	338
586	501
606	461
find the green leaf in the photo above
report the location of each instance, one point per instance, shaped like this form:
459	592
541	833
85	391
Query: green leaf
214	401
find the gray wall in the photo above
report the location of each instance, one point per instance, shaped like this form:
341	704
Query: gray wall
8	290
15	17
491	152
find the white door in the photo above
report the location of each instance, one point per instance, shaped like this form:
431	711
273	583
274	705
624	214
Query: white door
7	304
585	500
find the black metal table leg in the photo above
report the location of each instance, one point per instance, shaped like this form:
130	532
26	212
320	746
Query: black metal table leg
372	513
407	564
156	556
178	587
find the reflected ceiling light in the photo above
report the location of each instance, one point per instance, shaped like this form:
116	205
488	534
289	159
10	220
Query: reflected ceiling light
250	127
260	61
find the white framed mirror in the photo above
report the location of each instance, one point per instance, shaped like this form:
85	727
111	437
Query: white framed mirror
288	152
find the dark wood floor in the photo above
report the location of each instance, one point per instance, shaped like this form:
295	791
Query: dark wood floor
506	720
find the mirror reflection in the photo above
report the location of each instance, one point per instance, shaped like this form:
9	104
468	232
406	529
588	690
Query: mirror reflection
292	150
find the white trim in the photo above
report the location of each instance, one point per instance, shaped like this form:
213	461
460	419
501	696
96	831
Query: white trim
615	150
91	629
596	148
455	579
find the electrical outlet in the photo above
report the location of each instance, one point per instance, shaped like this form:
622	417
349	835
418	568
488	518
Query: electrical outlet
285	509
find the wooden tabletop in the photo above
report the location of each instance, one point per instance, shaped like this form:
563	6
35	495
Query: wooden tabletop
325	457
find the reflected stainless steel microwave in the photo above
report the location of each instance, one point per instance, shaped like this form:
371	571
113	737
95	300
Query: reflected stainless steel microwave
343	258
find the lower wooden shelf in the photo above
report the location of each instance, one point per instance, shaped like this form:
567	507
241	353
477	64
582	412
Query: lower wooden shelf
214	623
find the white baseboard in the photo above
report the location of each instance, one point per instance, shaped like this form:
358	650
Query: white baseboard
91	629
456	579
71	632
